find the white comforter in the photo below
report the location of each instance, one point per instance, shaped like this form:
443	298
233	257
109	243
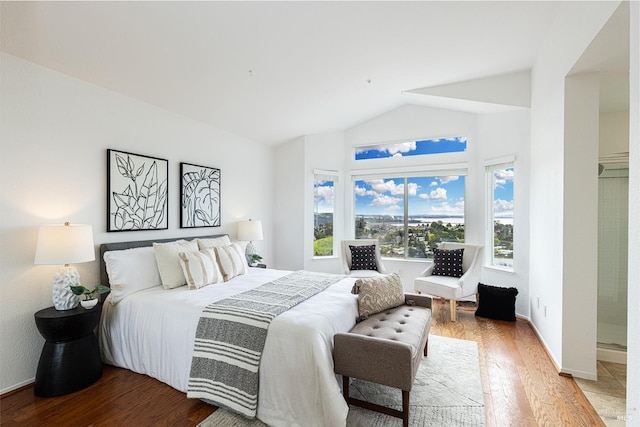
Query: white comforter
152	332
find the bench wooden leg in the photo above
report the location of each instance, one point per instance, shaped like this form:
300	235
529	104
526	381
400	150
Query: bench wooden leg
404	414
405	408
345	387
426	346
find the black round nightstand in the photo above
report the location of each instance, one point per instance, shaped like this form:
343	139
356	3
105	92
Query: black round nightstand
70	359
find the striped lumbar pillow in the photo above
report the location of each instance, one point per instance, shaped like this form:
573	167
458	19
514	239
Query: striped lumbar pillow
200	268
231	261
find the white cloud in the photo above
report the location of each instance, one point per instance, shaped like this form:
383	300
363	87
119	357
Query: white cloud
445	208
382	186
437	194
325	194
448	179
502	176
360	191
384	200
502	206
393	149
434	184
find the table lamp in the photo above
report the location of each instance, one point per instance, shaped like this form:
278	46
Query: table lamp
250	230
65	244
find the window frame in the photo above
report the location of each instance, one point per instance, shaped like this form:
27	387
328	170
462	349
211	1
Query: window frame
491	167
326	175
384	146
406	173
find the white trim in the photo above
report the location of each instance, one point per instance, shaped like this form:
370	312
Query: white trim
412	171
498	269
17	386
497	162
327	175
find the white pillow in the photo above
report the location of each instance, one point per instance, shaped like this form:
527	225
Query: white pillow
200	268
231	261
131	270
169	262
213	242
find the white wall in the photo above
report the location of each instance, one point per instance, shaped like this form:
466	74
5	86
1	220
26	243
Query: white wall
54	134
567	39
289	205
324	152
580	251
500	135
614	132
633	319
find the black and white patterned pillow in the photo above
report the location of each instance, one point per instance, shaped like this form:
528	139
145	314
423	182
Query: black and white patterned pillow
363	257
447	262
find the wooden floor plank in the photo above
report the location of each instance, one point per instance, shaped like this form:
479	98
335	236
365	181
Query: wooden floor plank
521	387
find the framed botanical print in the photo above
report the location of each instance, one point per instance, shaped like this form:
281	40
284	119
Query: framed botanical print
136	192
199	196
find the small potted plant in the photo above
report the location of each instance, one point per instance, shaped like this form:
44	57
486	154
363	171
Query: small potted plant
253	259
89	300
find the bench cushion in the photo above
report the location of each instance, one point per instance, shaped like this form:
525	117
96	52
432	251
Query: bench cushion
386	348
405	324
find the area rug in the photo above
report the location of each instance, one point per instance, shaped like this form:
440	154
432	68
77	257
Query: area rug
447	392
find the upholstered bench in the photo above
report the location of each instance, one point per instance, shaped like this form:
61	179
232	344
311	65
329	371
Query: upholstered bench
386	348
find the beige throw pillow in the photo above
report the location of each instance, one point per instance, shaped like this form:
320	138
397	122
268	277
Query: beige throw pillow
200	268
169	262
213	242
376	294
231	261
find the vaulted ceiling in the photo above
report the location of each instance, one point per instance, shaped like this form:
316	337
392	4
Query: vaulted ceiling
272	71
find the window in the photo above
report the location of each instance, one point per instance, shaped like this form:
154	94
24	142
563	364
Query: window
323	213
500	217
410	215
412	148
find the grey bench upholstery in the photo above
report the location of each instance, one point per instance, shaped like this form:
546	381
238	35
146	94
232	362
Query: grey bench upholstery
386	349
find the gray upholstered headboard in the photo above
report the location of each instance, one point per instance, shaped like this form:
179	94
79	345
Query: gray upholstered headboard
117	246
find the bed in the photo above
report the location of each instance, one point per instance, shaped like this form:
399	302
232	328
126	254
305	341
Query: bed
151	331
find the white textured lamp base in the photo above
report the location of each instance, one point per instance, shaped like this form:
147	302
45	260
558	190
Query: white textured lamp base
250	249
63	298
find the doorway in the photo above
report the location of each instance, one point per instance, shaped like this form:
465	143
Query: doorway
613	212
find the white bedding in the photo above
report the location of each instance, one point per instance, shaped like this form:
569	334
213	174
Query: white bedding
152	332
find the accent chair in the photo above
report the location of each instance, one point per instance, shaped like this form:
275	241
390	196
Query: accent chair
347	259
453	288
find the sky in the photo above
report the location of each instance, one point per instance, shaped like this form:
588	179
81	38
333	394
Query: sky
412	148
503	193
434	196
323	192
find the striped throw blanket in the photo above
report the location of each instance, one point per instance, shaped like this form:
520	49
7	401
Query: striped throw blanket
231	335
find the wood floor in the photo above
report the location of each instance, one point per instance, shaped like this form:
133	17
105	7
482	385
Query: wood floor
521	387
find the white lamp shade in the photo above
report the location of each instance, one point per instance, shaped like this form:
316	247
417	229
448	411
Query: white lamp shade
250	230
65	244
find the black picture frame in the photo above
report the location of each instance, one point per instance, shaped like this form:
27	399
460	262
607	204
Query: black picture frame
137	192
200	188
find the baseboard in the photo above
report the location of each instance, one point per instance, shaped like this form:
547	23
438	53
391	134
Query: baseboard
614	356
17	387
546	349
